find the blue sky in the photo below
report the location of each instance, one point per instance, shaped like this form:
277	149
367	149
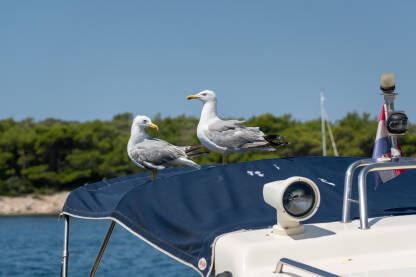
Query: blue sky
85	60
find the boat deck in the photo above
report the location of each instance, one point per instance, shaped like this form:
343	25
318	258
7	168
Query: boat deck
388	248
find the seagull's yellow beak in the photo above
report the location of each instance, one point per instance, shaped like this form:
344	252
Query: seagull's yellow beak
191	97
154	126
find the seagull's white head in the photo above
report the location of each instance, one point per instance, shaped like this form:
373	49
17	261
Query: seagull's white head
142	121
204	96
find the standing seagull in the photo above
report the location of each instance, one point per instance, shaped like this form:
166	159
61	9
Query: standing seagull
154	154
229	136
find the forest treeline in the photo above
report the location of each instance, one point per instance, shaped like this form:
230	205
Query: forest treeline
52	154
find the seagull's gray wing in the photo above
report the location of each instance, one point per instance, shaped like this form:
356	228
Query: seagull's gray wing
232	134
155	153
224	125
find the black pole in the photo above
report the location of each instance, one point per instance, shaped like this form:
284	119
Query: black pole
103	246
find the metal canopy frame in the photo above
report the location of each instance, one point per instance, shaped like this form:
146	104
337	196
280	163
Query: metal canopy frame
369	165
65	255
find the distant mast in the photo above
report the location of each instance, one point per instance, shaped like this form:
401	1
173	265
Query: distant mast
324	117
323	124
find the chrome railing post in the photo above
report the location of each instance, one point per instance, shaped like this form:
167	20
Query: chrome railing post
349	175
362	196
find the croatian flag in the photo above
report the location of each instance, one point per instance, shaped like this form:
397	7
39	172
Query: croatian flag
382	147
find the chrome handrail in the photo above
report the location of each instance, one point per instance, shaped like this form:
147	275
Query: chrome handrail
304	267
349	174
368	166
362	184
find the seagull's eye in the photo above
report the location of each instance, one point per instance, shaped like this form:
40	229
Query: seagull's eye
144	121
204	94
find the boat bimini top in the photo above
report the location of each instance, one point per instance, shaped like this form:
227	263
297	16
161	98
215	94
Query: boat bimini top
185	211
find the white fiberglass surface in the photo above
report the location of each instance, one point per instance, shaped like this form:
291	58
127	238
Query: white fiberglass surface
388	247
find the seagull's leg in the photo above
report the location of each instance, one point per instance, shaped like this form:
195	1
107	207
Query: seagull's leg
154	172
224	159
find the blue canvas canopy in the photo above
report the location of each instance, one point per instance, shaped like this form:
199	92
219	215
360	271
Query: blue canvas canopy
184	210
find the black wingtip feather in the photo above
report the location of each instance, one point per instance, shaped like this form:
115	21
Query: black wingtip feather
275	140
193	148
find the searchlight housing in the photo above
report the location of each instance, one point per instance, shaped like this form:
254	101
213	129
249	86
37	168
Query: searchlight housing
295	199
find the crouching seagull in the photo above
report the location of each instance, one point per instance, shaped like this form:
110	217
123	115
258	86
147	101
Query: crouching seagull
155	154
229	136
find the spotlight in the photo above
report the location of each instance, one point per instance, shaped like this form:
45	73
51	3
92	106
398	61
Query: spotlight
295	199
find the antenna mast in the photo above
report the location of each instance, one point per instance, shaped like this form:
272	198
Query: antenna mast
323	124
324	117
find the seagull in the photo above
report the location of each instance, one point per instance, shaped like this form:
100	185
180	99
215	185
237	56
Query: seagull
229	136
155	154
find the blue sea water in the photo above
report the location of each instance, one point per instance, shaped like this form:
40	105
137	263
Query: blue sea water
32	246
